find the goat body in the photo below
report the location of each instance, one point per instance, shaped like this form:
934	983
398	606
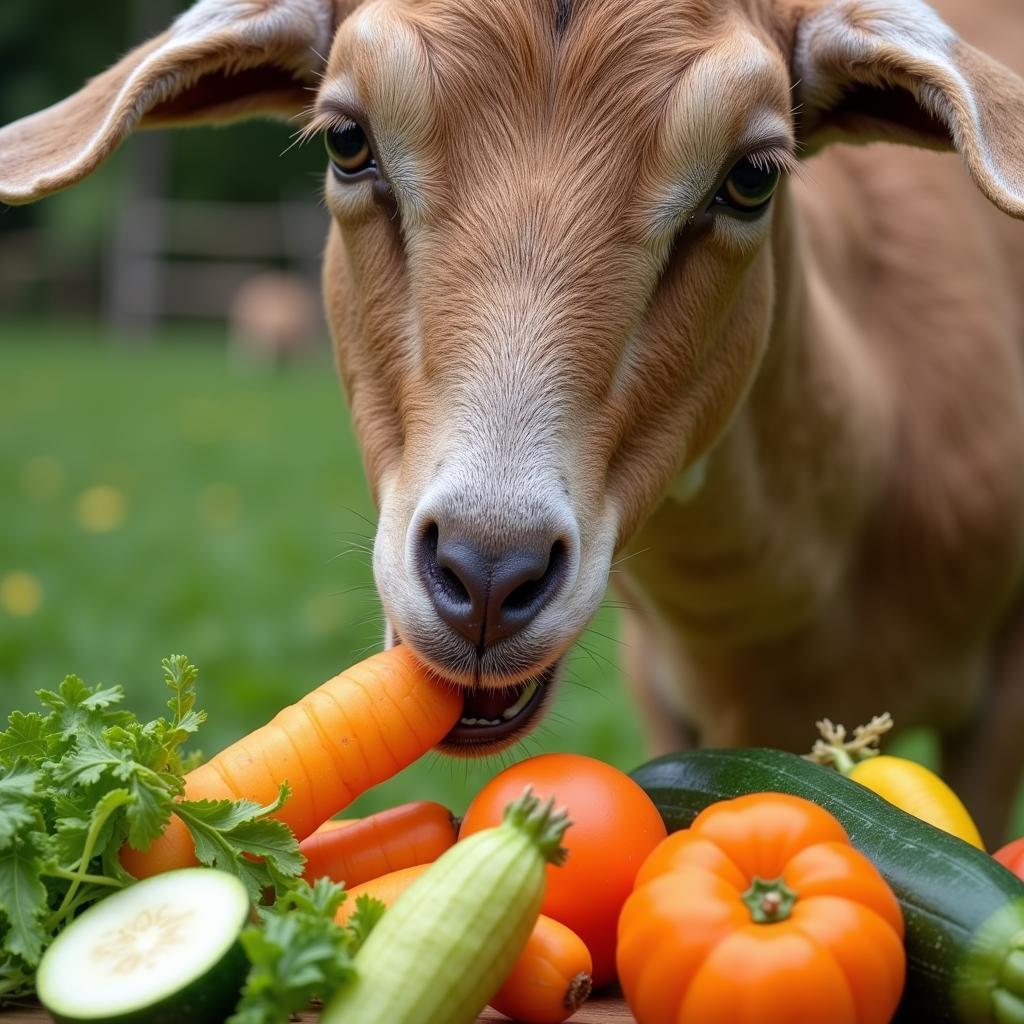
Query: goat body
574	322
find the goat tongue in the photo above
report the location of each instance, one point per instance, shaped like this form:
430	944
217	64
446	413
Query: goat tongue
481	703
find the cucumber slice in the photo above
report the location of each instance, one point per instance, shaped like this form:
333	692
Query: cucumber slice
164	951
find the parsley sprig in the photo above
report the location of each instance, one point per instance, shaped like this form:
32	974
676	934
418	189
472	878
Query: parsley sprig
82	776
299	954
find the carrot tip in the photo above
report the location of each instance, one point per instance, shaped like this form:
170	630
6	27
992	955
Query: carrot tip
578	991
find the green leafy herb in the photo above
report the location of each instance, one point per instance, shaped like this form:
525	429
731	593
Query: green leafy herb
81	777
224	831
363	920
298	952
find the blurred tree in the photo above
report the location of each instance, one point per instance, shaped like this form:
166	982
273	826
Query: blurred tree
48	49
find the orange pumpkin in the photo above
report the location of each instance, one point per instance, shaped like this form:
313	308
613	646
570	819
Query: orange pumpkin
761	913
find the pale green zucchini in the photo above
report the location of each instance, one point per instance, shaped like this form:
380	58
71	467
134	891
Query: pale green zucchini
448	943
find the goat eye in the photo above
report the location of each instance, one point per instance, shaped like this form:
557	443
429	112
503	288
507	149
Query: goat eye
349	150
749	186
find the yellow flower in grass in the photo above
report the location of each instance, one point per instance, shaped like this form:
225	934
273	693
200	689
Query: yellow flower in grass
21	594
100	509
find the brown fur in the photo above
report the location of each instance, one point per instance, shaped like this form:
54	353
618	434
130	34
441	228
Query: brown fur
520	316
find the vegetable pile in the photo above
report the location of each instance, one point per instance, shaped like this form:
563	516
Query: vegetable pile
963	911
91	799
354	731
719	887
80	777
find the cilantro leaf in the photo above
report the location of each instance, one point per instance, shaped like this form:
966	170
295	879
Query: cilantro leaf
224	831
15	977
364	919
109	757
26	736
192	760
91	757
75	706
81	832
180	675
23	896
148	811
297	954
19	796
71	827
323	897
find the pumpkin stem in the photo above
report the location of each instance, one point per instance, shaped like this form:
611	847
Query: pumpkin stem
833	748
769	901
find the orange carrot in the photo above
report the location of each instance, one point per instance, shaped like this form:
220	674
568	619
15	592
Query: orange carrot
358	729
550	980
336	823
400	837
387	889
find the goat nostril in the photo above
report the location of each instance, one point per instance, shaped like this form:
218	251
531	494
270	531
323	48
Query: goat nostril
440	575
487	596
540	589
428	544
455	587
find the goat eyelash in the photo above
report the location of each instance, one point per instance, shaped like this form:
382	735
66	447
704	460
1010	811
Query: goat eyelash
325	121
775	158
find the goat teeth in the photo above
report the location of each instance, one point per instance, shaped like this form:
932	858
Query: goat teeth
468	721
524	699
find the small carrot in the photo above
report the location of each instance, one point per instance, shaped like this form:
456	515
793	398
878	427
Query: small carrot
387	889
354	731
336	823
551	979
399	837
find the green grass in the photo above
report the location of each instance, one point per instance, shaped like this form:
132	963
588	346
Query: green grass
241	543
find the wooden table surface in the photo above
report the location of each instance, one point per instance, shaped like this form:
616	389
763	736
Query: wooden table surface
596	1011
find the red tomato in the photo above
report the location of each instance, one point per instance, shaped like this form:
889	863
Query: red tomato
1012	856
614	827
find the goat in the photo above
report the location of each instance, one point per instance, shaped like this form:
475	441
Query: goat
606	278
273	319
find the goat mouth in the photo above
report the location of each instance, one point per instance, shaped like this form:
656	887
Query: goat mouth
493	717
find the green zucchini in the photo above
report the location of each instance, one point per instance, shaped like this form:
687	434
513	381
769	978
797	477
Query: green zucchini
164	951
964	912
451	939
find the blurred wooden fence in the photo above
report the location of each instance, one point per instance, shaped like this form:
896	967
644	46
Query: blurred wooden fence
173	258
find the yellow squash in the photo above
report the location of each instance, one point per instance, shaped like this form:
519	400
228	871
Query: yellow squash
906	784
918	791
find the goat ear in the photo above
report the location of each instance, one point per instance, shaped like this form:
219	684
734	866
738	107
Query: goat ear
222	60
893	70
